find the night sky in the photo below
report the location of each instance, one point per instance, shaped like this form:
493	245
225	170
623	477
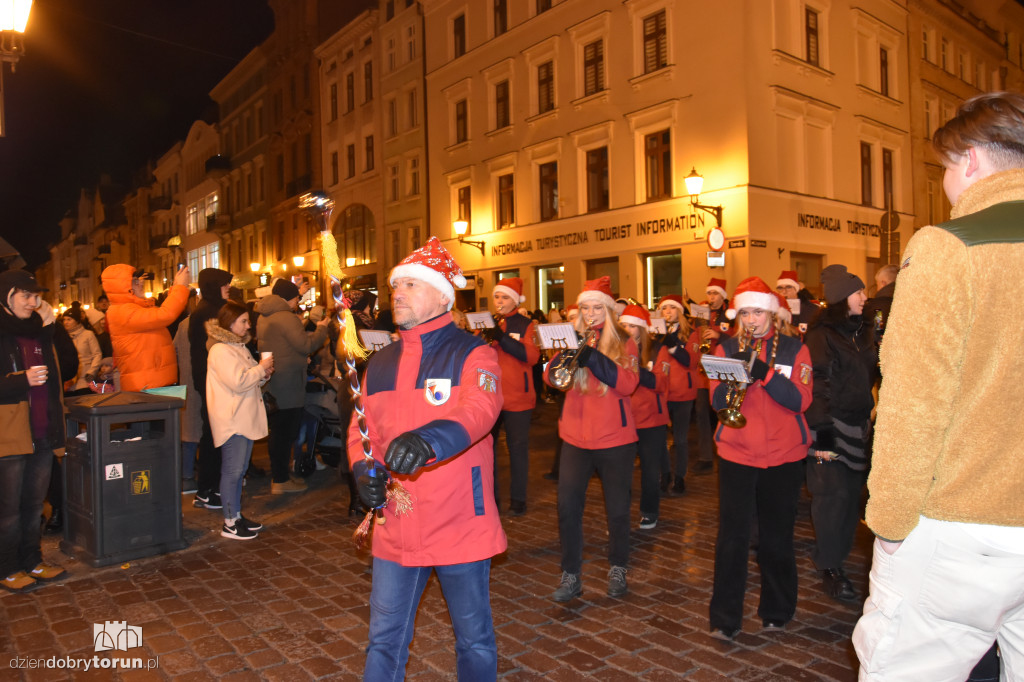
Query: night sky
104	86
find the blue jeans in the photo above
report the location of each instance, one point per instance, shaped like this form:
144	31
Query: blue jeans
394	598
235	455
23	483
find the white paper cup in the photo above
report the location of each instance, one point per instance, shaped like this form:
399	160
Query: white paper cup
266	354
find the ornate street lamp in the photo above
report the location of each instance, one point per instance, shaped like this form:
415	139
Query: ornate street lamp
460	227
13	19
694	184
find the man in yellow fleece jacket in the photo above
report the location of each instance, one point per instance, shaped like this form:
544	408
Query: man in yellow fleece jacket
947	478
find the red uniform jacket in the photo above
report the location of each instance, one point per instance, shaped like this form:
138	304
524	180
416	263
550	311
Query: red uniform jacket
684	377
517	354
600	419
444	384
776	431
650	402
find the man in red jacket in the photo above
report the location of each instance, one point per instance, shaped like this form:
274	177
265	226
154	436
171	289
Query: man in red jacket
513	338
430	400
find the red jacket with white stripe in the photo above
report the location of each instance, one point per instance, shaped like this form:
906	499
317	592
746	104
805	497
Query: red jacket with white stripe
445	385
599	418
650	402
517	354
776	431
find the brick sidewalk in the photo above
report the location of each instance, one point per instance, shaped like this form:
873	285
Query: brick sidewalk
292	604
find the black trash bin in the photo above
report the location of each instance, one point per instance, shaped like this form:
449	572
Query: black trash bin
122	477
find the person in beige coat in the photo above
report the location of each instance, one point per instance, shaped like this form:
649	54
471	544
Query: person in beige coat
237	414
946	482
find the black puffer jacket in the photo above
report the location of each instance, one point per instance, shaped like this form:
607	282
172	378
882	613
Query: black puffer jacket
844	359
15	427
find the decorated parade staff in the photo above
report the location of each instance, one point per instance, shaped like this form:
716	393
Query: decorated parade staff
513	338
598	434
429	401
792	289
650	410
760	468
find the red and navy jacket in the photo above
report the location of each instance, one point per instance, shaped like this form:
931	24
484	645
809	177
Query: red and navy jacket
444	384
776	431
683	376
517	354
600	419
650	402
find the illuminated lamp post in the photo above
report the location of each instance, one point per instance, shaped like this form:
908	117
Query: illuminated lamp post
13	19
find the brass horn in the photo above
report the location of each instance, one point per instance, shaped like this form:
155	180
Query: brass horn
564	372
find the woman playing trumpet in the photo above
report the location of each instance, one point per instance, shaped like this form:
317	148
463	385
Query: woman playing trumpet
599	434
760	466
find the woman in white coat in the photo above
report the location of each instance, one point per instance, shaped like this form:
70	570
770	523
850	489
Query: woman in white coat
88	348
237	414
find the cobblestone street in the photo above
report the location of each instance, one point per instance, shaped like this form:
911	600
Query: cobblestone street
292	604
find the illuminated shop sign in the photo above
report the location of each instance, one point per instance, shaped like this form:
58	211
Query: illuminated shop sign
829	224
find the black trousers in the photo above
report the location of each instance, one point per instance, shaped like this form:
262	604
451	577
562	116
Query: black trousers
284	428
835	510
517	437
652	448
208	457
772	493
615	467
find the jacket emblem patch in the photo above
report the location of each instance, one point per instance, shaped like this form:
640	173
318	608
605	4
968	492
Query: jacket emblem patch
437	391
486	381
665	368
805	373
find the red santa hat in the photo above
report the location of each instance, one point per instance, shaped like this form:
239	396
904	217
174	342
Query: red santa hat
599	290
511	287
788	278
673	300
717	285
784	312
634	314
432	264
752	293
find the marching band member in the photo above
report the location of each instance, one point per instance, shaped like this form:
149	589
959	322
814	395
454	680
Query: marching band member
683	381
513	338
650	410
761	464
599	434
791	288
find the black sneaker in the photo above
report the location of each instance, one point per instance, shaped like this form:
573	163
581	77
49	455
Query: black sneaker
254	526
569	588
517	508
617	581
647	522
237	532
725	634
770	625
207	500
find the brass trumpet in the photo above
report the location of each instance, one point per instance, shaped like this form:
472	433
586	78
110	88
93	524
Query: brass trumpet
730	415
564	372
489	334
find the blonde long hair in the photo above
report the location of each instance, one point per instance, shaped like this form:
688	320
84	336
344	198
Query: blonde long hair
612	344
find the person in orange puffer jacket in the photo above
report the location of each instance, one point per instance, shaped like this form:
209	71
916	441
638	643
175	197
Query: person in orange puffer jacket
143	349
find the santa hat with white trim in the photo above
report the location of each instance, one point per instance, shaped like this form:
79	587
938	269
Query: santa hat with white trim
432	264
752	293
599	290
637	315
717	285
511	287
788	278
674	300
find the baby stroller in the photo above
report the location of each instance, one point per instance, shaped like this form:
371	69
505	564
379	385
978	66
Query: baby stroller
322	432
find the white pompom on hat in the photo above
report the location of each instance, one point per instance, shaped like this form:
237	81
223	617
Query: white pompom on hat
511	287
752	293
431	263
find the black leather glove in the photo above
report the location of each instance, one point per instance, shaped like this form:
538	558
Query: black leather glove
824	439
760	370
371	484
671	340
407	453
584	355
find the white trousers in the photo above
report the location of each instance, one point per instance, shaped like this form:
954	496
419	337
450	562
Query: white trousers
937	604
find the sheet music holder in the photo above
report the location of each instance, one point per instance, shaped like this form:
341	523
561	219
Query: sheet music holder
700	312
658	325
725	369
482	320
373	340
558	336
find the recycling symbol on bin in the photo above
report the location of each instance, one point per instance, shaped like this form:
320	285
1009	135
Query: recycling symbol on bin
140	482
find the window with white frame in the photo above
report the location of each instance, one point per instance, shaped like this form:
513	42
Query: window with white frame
658	164
655	42
880	155
877	50
547	176
458	96
459	35
393	188
506	203
593	67
801	29
413	183
597	179
590	39
461	121
545	87
502	105
541	64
